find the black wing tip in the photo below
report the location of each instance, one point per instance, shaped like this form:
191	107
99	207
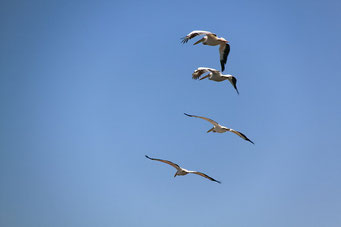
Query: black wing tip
247	139
147	156
234	80
222	66
225	55
194	76
188	115
212	179
227	49
184	40
235	87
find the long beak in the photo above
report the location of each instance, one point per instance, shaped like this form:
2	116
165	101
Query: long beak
199	41
205	77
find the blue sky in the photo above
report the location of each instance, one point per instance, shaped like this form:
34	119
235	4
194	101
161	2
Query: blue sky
87	88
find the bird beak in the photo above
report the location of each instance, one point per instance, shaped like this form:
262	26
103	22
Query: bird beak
204	77
199	41
175	175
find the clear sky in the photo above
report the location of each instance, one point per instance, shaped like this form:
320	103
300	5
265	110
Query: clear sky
87	88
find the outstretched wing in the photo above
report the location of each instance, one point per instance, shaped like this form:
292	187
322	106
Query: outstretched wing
241	135
165	161
201	70
224	51
204	175
194	34
205	118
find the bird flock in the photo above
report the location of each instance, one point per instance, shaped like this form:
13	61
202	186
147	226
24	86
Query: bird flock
209	39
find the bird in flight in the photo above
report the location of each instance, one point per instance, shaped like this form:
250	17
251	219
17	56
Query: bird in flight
214	75
221	129
211	39
181	171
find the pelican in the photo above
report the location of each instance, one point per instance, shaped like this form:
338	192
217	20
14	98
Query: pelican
221	129
181	171
214	75
211	39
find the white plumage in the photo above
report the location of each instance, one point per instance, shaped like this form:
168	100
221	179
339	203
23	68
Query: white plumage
181	171
221	129
211	39
214	75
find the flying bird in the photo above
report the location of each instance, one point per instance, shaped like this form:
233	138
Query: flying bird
214	75
181	171
211	39
221	129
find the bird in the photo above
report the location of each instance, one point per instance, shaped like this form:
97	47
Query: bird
211	39
221	129
214	75
181	171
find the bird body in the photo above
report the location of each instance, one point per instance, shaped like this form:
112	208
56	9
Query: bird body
211	39
217	77
181	171
221	129
214	75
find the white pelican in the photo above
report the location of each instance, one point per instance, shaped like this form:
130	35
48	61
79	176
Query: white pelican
214	75
181	171
211	39
221	129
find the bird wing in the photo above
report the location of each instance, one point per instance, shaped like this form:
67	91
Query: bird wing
204	175
233	81
205	118
224	51
165	161
194	34
212	35
241	135
201	70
